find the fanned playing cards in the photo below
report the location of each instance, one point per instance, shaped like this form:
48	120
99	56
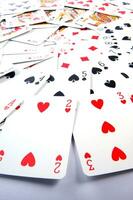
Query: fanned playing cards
66	68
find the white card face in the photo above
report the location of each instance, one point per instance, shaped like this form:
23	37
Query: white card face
11	6
103	134
36	37
42	53
20	48
86	4
7	34
16	88
45	134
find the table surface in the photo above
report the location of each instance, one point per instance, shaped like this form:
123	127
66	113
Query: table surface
75	185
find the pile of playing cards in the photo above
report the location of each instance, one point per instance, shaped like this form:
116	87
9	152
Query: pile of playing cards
66	67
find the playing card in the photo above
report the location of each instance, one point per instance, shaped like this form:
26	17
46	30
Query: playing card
93	19
20	48
46	154
102	133
13	7
36	36
27	18
52	4
79	4
118	36
7	34
42	53
16	88
109	8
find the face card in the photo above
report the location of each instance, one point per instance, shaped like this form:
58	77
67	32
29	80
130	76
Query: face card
51	4
47	155
93	19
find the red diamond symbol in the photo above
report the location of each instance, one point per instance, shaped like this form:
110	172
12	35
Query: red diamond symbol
65	65
95	37
93	48
85	58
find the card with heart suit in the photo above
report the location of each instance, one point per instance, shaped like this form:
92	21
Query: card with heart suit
111	9
15	89
103	134
86	4
45	134
7	34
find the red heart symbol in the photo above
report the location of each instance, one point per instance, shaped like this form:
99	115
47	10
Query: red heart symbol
87	155
123	101
67	109
80	2
29	159
42	106
118	154
97	103
131	98
86	5
1	152
71	2
105	4
59	158
122	12
106	127
102	8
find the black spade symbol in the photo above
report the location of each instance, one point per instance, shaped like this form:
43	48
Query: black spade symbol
10	75
125	3
118	28
124	74
30	79
50	79
126	38
130	64
127	24
113	58
59	93
110	83
91	91
115	47
109	31
73	78
96	70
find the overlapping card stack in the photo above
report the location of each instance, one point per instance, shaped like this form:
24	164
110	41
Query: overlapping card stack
66	67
